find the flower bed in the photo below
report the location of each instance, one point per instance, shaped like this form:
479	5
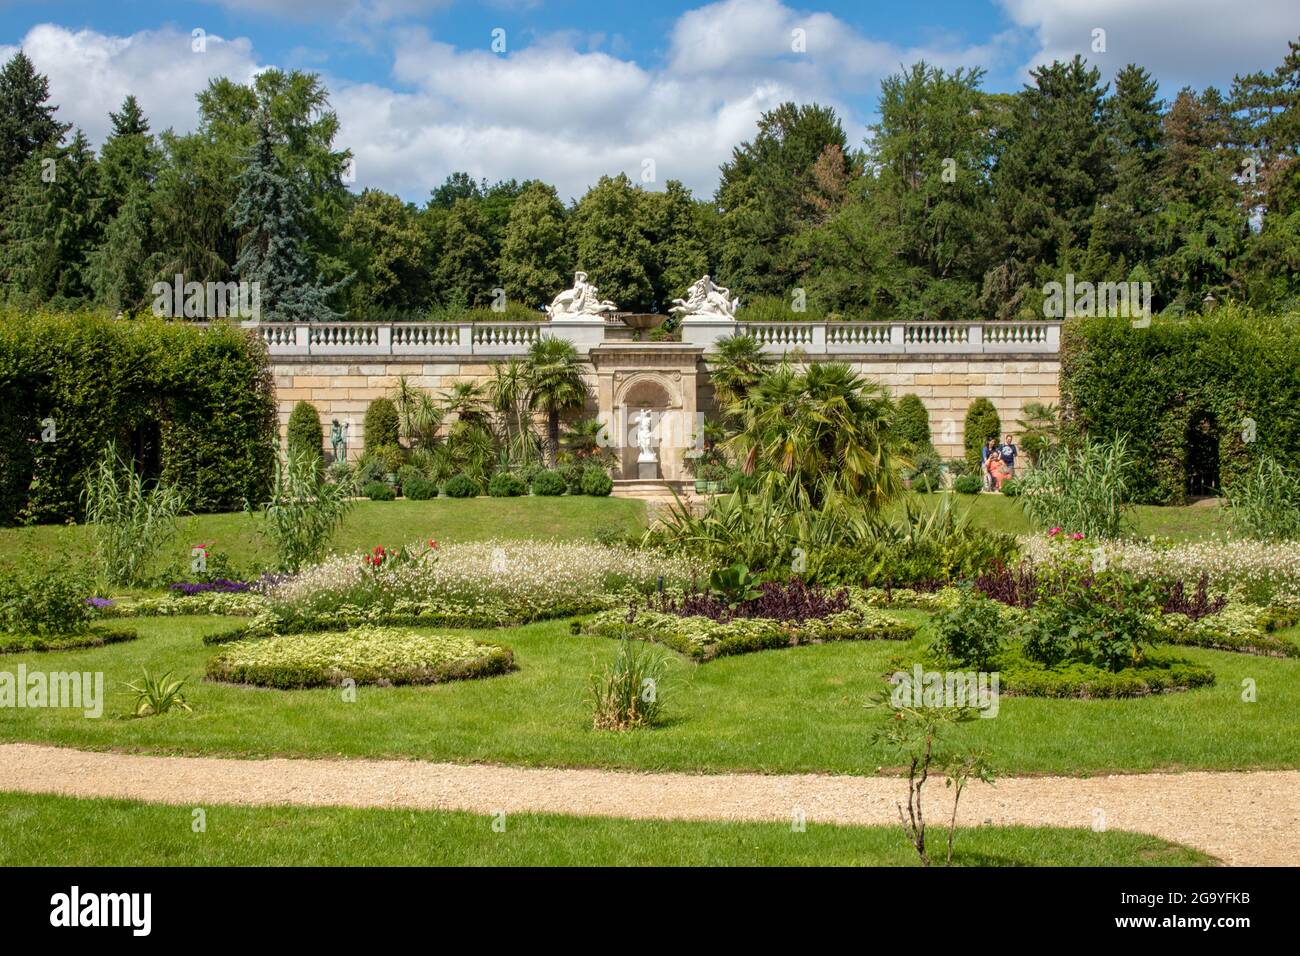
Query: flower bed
1238	627
1258	570
479	584
704	638
366	655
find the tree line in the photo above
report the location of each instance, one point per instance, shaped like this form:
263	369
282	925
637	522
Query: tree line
962	204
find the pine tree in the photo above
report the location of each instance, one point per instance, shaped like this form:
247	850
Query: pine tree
54	224
26	119
269	215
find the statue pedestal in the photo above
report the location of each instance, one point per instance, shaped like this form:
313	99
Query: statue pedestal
706	329
647	470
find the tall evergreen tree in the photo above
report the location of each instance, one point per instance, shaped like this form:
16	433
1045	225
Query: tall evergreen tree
26	117
54	224
269	214
1053	165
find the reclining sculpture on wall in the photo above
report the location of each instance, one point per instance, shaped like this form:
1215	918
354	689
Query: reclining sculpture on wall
582	299
707	298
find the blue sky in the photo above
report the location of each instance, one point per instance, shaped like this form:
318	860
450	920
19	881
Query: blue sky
585	88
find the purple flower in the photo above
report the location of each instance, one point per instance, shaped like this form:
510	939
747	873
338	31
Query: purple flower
99	602
221	585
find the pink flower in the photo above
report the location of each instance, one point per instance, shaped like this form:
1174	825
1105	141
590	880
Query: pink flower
1076	536
1054	532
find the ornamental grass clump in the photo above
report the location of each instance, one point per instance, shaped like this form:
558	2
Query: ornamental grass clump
1265	503
303	512
1084	488
130	524
629	692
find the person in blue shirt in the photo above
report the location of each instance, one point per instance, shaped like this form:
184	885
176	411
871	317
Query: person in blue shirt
1008	451
990	448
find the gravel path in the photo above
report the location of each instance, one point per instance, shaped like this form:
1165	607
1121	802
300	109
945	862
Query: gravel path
1242	818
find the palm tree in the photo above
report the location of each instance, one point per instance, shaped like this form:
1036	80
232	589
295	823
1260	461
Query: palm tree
588	439
818	437
737	366
555	385
468	401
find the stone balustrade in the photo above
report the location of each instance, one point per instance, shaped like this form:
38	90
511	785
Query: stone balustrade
492	339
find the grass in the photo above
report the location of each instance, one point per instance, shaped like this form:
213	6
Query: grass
795	710
1179	523
35	830
369	523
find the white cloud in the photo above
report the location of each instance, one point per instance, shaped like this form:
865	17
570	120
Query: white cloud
559	109
90	73
1180	42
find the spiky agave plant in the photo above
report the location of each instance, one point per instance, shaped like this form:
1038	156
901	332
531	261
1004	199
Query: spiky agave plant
158	695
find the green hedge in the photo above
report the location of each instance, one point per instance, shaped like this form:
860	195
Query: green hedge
1154	383
195	406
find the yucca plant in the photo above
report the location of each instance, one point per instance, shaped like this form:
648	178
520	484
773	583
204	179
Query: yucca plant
158	695
629	692
130	524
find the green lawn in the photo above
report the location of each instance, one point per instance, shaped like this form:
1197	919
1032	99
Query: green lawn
62	831
1179	523
795	710
369	523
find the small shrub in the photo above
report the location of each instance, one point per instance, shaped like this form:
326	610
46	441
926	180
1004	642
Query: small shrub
926	472
628	693
340	472
461	486
157	695
597	483
379	491
408	473
370	468
420	489
1011	487
549	483
982	423
967	484
572	475
382	424
44	600
305	436
505	485
392	457
971	633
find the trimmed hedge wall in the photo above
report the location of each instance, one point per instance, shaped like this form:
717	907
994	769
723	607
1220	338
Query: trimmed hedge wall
1154	383
195	406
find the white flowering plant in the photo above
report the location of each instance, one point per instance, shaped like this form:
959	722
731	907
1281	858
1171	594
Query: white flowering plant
477	584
